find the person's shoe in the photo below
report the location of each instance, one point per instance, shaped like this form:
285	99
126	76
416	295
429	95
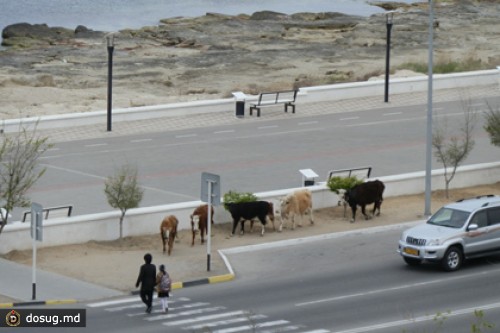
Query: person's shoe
148	310
166	310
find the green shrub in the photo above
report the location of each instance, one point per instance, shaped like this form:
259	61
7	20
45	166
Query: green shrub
235	197
346	183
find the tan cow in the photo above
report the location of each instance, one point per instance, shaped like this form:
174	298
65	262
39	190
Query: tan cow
168	231
199	220
296	203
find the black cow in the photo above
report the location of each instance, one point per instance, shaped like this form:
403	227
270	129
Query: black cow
243	211
364	194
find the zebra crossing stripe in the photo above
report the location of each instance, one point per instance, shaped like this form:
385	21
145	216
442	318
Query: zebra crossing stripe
224	322
318	331
208	317
252	327
108	303
282	329
184	313
129	300
185	306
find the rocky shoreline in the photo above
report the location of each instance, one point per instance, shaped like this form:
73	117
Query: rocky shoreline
49	70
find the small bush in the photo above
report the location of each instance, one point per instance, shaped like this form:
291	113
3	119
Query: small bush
346	183
235	197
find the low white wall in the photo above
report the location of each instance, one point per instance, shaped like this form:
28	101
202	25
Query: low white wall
146	221
342	91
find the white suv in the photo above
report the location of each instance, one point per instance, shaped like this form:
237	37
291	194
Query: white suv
467	228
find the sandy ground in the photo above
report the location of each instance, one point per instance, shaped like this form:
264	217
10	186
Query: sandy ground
101	262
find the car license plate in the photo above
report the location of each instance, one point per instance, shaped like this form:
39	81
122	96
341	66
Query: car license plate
412	251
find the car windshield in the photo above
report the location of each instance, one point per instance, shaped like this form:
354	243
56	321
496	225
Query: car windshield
448	217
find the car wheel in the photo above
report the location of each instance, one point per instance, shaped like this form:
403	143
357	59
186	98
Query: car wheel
452	259
412	261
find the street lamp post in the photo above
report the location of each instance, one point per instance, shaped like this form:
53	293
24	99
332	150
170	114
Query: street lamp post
389	17
428	145
111	47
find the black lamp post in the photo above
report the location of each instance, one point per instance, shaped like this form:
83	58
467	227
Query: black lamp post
111	47
389	16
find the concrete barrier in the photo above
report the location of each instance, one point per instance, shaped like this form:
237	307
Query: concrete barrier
146	221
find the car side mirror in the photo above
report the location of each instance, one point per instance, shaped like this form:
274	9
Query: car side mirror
472	227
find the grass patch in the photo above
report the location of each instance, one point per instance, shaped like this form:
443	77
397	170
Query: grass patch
445	67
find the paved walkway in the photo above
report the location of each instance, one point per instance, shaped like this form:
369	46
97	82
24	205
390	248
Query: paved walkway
225	117
16	283
16	279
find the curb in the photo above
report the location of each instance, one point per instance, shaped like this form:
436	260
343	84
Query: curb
48	302
192	283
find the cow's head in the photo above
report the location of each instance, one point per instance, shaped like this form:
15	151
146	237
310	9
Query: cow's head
195	221
284	204
342	197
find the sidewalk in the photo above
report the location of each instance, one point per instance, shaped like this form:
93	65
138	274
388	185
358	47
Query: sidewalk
224	117
16	283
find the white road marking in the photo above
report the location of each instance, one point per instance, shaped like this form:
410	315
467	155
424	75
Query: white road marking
284	329
267	127
308	123
224	132
185	313
208	317
458	312
350	118
405	286
96	145
119	301
224	322
140	140
159	311
392	114
186	136
253	328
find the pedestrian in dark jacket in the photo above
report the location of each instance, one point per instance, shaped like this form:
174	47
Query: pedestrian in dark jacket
147	280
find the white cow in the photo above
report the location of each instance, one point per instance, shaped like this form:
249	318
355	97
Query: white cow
296	203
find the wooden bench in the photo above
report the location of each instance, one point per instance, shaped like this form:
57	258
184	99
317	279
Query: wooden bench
286	97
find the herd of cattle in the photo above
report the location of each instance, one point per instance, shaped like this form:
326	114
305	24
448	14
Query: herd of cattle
298	203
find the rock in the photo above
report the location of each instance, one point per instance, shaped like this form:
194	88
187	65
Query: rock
268	15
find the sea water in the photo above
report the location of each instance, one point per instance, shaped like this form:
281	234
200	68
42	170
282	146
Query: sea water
113	15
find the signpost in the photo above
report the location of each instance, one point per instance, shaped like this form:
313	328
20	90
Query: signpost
210	193
36	235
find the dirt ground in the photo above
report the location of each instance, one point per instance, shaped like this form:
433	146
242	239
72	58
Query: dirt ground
101	262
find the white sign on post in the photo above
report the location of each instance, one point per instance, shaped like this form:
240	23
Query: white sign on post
210	193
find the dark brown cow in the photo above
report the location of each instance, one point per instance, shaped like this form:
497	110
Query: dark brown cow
168	231
364	194
199	220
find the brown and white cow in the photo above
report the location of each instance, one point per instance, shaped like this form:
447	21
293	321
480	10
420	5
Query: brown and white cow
199	220
296	203
168	232
364	194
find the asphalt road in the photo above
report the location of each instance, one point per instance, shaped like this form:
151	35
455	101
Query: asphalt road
345	284
249	156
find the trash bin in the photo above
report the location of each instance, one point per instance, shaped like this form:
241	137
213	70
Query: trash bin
240	108
240	103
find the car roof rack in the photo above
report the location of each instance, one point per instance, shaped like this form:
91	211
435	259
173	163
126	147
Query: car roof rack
477	197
